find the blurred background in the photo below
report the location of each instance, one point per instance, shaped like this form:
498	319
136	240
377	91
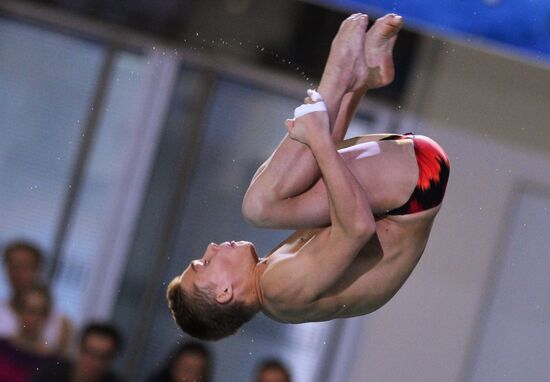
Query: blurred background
130	131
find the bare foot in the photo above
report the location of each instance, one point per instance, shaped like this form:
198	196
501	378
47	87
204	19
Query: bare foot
379	43
346	66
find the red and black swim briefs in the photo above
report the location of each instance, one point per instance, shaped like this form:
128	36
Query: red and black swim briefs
433	166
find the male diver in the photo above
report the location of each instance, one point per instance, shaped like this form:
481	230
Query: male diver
362	213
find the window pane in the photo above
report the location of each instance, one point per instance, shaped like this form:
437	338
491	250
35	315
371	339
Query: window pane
515	341
103	173
47	82
158	205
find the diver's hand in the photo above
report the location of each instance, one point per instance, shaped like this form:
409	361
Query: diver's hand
308	127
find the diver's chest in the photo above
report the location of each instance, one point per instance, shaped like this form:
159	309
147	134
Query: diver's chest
296	241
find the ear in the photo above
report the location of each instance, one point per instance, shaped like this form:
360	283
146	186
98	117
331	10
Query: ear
224	294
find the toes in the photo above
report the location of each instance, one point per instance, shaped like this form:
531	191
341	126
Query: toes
395	20
357	19
364	21
391	19
388	26
355	16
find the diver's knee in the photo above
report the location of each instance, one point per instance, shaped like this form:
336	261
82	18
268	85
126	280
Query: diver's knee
255	209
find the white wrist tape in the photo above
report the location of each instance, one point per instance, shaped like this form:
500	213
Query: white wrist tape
319	105
315	97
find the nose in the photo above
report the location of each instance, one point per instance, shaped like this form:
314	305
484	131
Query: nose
197	265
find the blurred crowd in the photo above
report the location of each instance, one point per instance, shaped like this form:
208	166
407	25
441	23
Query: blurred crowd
39	344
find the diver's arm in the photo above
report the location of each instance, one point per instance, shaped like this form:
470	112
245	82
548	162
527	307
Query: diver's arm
322	261
350	211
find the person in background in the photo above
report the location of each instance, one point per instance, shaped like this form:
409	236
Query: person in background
188	362
26	351
272	370
99	345
23	263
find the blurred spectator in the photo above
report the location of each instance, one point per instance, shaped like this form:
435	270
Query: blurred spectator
26	351
189	362
33	308
99	345
23	263
272	370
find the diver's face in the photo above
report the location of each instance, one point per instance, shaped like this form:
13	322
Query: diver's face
220	263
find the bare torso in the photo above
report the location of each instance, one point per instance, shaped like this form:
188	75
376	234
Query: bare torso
388	172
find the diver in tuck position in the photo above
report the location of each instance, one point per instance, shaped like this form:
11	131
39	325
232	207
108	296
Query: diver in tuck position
363	213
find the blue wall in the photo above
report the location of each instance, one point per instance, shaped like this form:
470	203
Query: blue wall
515	26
